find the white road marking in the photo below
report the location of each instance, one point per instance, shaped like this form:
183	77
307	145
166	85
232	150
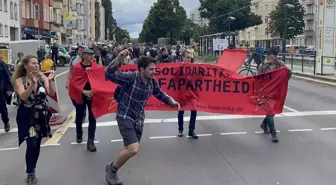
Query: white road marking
116	140
300	130
315	80
327	129
61	74
232	133
7	149
84	142
162	137
261	132
202	135
290	109
219	117
46	145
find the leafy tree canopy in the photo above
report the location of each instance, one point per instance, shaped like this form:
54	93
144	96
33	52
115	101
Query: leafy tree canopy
219	11
165	19
283	14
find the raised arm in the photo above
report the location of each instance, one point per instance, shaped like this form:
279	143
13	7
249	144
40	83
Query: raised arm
112	73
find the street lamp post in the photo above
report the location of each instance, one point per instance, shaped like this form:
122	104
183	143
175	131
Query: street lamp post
285	6
230	18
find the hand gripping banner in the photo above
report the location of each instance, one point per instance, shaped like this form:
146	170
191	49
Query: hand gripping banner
201	87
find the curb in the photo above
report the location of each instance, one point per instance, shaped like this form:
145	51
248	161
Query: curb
310	79
315	77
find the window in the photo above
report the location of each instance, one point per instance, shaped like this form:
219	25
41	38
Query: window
55	15
23	9
11	10
27	10
44	14
6	31
62	20
266	7
78	24
5	5
51	11
31	10
0	4
1	30
36	12
15	11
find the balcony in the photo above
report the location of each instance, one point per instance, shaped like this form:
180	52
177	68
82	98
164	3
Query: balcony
308	2
65	2
308	16
309	33
74	13
58	4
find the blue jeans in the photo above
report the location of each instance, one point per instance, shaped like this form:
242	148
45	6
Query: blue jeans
269	122
191	123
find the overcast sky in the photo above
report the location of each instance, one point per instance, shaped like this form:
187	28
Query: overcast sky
130	14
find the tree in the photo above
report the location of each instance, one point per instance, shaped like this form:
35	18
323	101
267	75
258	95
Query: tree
122	35
284	17
219	11
165	19
190	30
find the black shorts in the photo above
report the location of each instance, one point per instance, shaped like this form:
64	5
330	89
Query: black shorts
129	132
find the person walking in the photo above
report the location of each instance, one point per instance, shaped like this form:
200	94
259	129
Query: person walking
33	114
132	96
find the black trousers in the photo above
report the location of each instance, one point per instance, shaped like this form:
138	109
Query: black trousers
32	153
192	122
80	113
3	107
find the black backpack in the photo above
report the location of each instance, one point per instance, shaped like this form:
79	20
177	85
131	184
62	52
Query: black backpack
121	89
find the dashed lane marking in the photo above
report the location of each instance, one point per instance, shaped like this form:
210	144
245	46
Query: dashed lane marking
327	129
57	136
84	142
171	137
290	109
14	130
232	133
300	130
217	117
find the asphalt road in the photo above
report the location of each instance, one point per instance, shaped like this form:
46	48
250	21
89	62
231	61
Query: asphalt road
231	151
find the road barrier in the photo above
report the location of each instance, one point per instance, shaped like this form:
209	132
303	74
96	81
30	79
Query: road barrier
57	116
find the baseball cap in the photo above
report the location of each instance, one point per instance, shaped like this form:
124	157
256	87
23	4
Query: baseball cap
88	51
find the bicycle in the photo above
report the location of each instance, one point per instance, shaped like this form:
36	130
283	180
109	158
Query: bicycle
247	67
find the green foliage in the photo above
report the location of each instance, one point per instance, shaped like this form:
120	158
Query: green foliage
163	22
191	30
206	59
122	35
219	11
293	16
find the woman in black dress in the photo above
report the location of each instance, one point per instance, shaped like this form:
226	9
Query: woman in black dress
33	113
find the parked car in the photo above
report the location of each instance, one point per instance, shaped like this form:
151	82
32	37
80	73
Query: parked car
62	58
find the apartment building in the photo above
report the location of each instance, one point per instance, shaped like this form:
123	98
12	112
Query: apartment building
37	20
100	15
92	20
9	20
195	17
257	35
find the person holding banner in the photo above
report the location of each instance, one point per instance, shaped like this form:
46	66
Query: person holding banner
186	57
135	88
271	64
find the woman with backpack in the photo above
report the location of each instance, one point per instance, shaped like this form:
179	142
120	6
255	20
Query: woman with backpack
33	113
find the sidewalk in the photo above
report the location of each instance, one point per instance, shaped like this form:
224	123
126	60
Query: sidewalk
308	72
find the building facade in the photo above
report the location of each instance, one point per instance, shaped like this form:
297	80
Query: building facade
257	35
9	21
195	17
102	23
92	20
37	20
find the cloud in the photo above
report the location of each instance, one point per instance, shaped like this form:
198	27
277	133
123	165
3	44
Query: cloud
130	14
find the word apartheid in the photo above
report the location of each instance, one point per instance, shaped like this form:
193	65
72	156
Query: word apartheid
201	87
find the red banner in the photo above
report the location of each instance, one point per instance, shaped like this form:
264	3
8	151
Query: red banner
202	87
232	59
